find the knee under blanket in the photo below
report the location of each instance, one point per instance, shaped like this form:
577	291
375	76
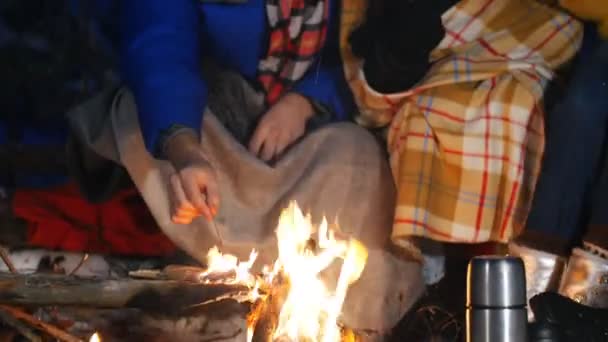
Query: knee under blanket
338	171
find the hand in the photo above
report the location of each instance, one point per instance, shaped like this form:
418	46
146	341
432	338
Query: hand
194	186
282	125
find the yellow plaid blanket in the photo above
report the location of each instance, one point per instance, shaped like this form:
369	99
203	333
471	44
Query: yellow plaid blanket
466	143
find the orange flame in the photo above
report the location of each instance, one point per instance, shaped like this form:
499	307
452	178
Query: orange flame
218	263
311	310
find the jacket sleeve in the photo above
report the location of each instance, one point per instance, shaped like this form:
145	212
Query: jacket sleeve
160	57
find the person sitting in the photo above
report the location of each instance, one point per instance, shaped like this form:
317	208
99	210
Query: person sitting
570	203
463	117
225	111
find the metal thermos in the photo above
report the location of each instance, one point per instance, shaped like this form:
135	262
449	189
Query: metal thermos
496	300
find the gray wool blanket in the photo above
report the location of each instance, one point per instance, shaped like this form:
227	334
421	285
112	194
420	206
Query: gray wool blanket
338	170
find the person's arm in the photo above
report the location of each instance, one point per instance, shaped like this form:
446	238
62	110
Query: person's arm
321	96
161	64
160	55
317	99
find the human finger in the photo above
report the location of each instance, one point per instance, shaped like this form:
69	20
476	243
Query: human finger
283	142
187	212
213	196
269	147
260	134
179	201
193	186
182	219
187	215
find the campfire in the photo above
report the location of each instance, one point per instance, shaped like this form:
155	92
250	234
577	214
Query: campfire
95	338
284	301
291	301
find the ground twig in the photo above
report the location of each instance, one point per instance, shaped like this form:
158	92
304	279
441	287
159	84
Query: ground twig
25	330
7	260
39	325
84	259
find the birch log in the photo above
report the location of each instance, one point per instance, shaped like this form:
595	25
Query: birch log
153	295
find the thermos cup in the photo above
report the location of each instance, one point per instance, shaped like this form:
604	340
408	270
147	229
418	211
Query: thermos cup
496	300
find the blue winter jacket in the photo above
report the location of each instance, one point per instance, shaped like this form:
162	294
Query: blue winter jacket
159	45
163	43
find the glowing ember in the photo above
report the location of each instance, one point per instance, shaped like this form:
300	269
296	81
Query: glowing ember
95	338
310	310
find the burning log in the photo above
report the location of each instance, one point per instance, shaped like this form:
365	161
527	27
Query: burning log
190	274
298	304
116	325
291	300
151	295
263	320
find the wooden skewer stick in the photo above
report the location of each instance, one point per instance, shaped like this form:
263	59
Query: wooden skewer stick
7	260
84	259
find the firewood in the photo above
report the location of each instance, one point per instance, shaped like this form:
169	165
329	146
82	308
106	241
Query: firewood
148	274
264	317
183	273
7	260
117	325
23	329
38	324
152	295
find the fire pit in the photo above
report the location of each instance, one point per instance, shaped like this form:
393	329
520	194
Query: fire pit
297	304
227	300
290	300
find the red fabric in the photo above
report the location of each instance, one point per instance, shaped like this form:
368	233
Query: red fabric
62	219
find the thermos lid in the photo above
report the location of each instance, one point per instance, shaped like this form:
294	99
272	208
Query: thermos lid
496	282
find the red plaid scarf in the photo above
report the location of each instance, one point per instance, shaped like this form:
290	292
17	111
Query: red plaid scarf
297	33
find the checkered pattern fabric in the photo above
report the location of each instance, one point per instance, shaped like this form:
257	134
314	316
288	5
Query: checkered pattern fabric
297	32
466	143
